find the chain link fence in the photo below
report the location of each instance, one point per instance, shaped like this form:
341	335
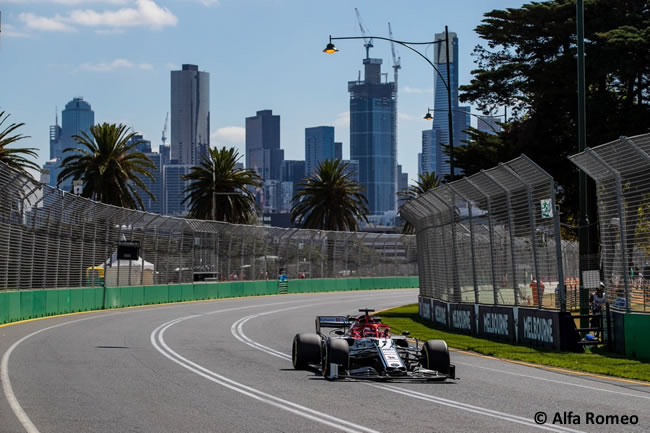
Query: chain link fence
621	170
53	239
493	238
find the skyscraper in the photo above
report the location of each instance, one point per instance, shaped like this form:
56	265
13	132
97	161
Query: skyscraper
190	108
460	118
174	189
143	146
76	118
263	153
338	150
294	172
402	184
153	205
319	146
489	124
373	141
55	139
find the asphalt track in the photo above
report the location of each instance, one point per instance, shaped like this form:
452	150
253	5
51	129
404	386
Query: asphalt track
224	366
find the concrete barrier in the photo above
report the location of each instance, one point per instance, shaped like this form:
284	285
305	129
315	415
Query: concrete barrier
30	304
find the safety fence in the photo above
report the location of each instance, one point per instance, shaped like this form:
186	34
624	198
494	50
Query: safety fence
621	170
54	239
494	238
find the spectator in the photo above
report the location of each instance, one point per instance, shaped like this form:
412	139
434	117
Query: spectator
620	302
597	300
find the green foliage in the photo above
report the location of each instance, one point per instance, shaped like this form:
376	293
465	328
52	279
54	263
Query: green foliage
217	173
424	183
406	319
15	158
108	166
532	70
330	199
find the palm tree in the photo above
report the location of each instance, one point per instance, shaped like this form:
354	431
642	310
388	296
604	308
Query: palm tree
425	182
108	165
330	199
216	181
14	157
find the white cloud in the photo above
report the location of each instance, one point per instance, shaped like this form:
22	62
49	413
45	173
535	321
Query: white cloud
404	116
115	64
407	89
172	67
146	14
342	120
9	31
67	2
228	136
210	3
44	24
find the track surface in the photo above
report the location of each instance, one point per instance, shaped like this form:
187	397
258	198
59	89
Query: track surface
224	366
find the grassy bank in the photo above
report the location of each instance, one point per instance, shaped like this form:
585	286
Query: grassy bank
596	361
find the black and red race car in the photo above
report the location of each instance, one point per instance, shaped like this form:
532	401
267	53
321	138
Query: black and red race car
362	347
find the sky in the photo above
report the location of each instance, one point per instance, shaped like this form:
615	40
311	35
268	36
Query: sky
261	54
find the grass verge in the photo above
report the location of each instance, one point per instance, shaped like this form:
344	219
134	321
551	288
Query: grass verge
595	361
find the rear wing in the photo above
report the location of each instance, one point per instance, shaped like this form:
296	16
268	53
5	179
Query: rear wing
332	322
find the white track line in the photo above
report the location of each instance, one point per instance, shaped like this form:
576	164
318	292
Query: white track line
237	331
157	340
555	381
24	420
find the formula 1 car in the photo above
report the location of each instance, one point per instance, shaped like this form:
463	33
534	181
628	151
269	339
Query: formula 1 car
362	347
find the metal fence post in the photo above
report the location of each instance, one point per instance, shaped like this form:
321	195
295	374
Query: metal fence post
515	286
471	237
533	229
621	214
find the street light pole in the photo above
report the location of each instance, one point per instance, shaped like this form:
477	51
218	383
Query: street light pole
331	49
584	243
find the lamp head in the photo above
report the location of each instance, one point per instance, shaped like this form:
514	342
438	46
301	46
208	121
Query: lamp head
330	48
428	116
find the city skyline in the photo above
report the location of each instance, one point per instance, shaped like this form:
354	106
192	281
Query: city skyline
131	85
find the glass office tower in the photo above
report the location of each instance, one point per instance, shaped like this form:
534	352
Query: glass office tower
373	141
190	109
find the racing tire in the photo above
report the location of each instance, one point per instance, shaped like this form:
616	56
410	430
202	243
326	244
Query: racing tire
305	350
337	351
435	356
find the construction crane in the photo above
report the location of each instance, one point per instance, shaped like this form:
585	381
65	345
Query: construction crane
366	42
396	59
164	131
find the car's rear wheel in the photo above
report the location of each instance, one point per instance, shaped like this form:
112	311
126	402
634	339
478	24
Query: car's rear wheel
337	351
305	350
435	356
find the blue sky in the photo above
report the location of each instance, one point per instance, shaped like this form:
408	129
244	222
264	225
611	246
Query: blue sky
261	54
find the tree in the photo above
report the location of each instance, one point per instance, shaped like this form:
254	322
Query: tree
532	70
425	182
330	199
15	158
108	166
217	173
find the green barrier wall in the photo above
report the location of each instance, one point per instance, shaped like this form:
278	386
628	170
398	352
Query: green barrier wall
30	304
637	336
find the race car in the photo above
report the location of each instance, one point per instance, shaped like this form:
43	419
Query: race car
362	347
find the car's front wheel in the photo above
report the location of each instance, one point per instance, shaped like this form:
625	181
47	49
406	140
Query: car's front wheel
305	350
435	356
337	351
